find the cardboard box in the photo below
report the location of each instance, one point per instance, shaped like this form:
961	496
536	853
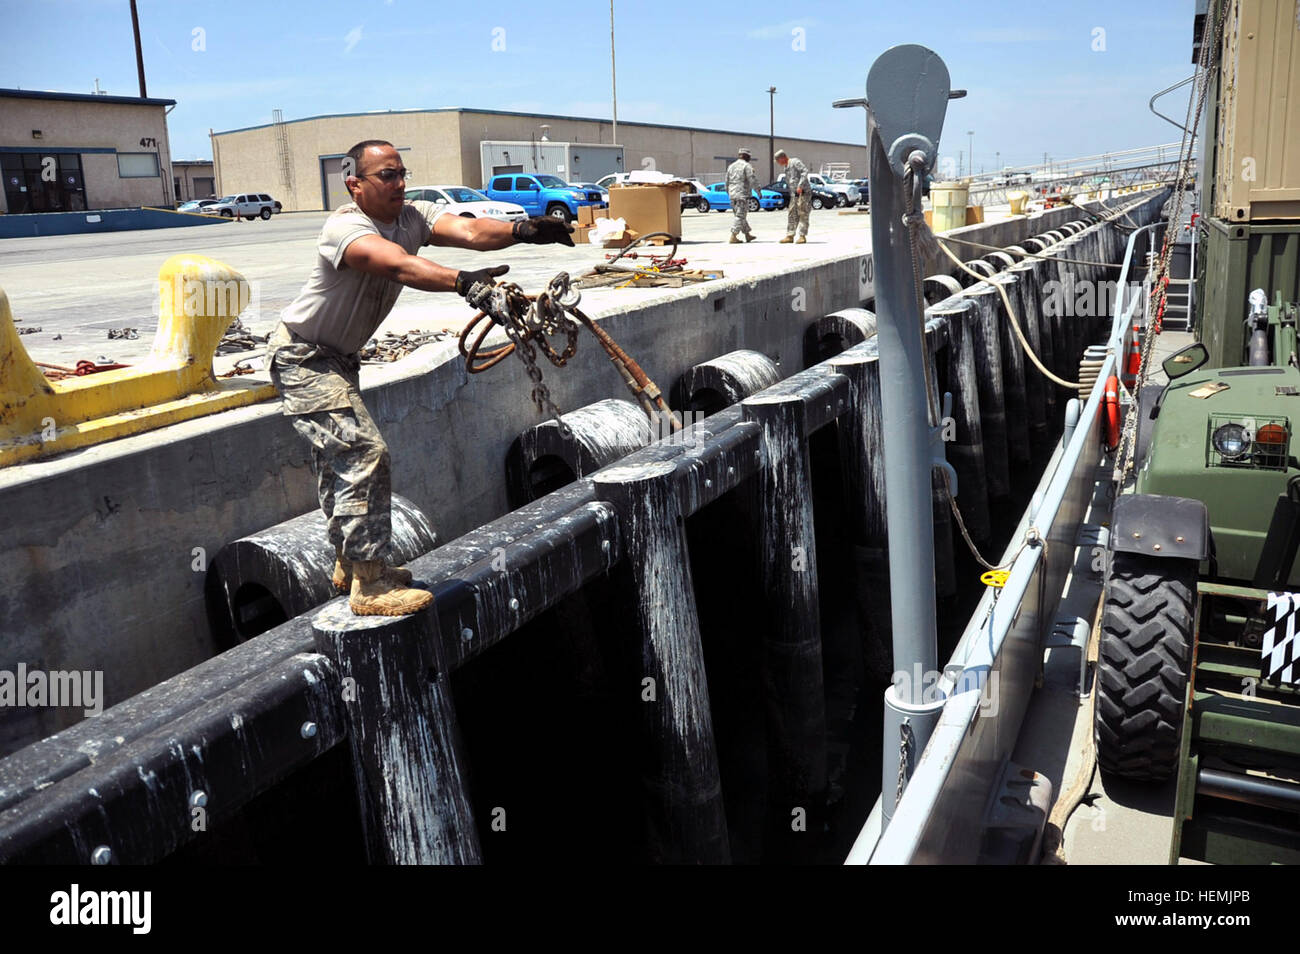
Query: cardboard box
974	214
648	207
929	217
587	214
622	239
581	234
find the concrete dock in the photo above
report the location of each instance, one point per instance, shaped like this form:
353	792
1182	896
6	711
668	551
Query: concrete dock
81	286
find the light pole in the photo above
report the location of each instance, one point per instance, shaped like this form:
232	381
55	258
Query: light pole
971	143
771	134
613	74
997	160
139	57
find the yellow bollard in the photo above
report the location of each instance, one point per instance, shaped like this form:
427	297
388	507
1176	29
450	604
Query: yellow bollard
1017	200
198	299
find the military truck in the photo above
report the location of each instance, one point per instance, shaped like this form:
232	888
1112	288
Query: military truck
1194	677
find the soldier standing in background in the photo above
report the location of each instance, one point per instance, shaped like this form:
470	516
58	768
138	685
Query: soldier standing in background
741	181
796	179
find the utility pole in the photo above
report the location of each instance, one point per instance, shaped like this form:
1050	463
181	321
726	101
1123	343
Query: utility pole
613	74
139	56
971	134
961	168
771	133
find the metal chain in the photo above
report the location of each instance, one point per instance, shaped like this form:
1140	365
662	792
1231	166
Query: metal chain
903	745
527	322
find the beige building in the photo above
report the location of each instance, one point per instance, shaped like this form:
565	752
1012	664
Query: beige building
193	179
299	161
65	152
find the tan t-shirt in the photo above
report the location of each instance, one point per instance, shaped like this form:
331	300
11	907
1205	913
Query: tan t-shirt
340	307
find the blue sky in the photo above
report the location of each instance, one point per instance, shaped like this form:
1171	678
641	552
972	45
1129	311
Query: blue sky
1036	82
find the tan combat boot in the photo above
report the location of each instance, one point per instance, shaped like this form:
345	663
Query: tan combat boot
375	594
750	237
342	578
734	240
787	240
800	240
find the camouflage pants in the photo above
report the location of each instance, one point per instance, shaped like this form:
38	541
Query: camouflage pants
740	215
797	218
321	392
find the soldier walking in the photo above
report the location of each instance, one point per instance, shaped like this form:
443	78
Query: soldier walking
741	181
796	180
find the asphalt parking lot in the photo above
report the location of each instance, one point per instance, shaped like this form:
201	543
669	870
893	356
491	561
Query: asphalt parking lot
76	288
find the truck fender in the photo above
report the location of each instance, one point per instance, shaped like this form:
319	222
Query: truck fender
1160	526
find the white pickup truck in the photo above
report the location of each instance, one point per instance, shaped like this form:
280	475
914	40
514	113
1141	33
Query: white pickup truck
847	191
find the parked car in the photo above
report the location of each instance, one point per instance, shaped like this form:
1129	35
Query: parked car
864	191
764	199
821	198
197	205
593	187
466	202
543	194
705	198
846	192
248	205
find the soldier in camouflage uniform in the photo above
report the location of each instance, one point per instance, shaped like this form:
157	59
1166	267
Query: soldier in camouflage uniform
366	256
741	181
796	179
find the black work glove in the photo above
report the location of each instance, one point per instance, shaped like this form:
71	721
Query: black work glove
465	281
543	230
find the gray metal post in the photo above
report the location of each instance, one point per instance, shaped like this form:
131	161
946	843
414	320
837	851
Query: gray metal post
907	89
687	823
403	735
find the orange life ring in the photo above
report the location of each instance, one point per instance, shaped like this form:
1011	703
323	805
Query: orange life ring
1112	412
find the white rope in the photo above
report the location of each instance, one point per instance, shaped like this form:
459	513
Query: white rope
1011	313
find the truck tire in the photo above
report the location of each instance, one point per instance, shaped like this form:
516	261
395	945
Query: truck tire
1143	663
817	202
265	214
703	205
561	212
841	200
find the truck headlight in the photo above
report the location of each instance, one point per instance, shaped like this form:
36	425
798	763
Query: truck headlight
1232	441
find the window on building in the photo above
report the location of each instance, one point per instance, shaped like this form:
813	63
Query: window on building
36	182
176	185
137	165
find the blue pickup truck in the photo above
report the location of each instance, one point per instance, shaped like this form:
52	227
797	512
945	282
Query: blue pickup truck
543	194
